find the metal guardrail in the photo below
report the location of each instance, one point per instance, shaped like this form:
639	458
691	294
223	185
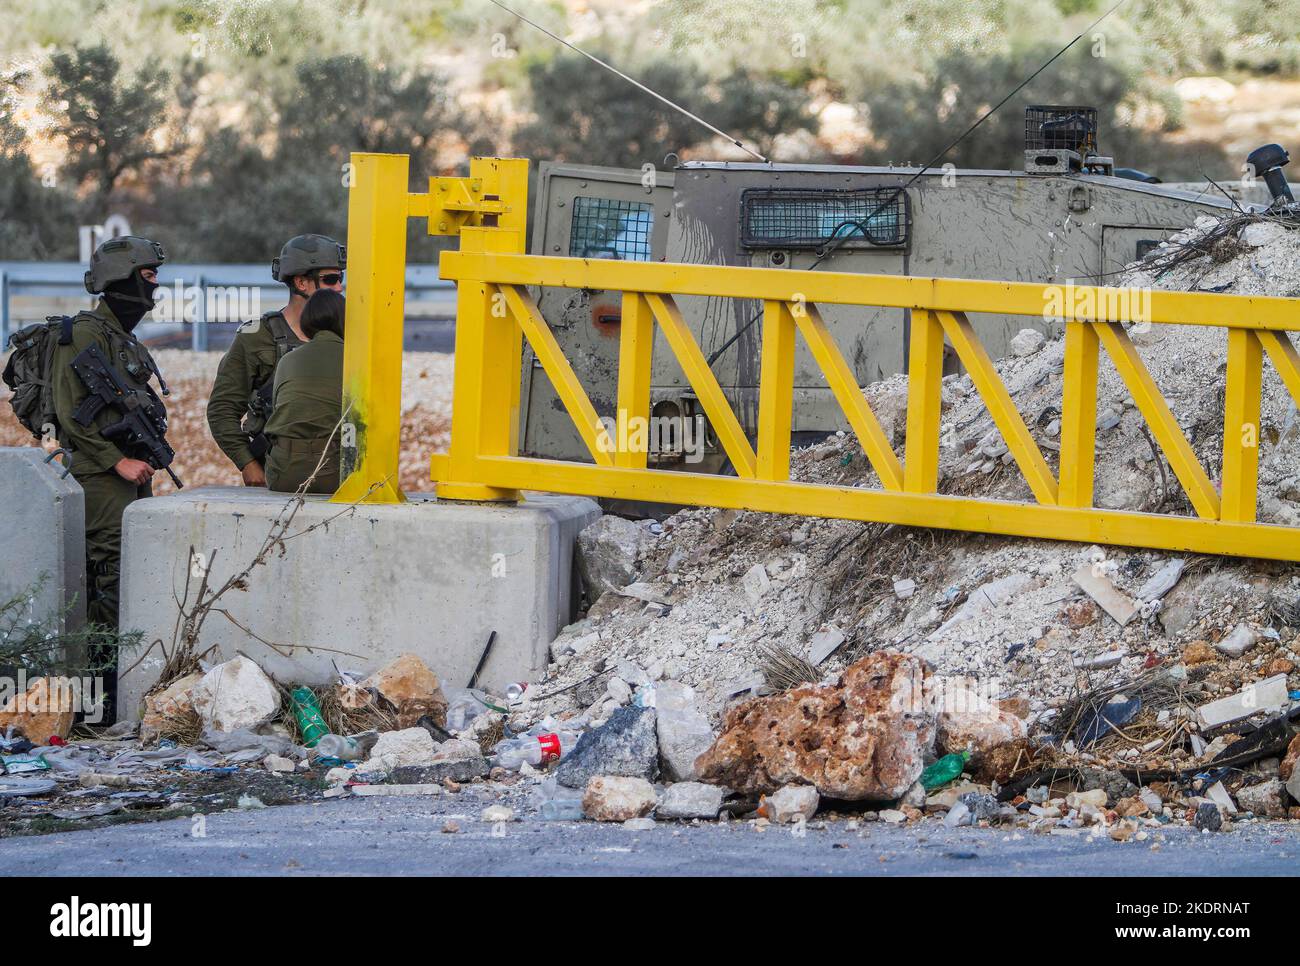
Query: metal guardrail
208	293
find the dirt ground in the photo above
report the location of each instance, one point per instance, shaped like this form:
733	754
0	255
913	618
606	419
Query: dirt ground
426	418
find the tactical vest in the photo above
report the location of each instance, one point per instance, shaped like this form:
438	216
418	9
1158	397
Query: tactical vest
29	372
260	399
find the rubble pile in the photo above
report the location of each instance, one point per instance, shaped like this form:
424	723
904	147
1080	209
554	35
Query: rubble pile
1069	664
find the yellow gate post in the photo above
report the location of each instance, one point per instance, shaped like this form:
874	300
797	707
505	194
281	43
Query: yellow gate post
489	212
372	349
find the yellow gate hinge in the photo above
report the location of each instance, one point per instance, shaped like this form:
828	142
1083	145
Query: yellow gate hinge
492	196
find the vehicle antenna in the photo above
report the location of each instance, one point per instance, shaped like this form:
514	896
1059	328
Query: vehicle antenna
636	83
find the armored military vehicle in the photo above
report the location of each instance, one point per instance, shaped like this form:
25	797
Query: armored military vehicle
1068	216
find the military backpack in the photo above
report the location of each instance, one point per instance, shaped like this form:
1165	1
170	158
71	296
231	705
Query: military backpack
29	373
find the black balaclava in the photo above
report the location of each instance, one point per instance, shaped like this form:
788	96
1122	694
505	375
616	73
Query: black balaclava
130	299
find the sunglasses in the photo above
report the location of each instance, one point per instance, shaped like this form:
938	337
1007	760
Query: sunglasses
333	278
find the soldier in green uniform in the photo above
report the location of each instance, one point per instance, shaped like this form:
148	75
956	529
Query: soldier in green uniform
241	398
308	404
123	271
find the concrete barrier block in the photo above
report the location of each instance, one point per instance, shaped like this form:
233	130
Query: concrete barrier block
42	536
357	585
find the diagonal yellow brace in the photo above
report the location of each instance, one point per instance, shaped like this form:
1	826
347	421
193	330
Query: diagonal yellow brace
851	399
1182	460
635	353
561	374
730	433
1285	358
775	392
1000	406
924	403
1241	426
1079	416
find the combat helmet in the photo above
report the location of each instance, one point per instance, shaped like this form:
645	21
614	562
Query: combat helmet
305	253
115	259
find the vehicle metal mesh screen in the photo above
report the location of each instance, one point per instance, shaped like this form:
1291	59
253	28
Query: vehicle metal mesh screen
1050	128
811	218
605	228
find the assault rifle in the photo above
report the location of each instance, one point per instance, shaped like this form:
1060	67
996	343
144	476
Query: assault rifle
141	432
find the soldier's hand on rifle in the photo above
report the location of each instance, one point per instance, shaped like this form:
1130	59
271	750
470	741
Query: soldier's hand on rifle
253	474
134	471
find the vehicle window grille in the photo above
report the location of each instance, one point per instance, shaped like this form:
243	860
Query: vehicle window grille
809	218
1060	128
605	228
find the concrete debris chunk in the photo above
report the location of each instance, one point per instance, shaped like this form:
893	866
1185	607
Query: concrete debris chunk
607	554
790	803
1268	695
624	746
1099	662
1219	795
1095	797
1241	640
395	790
1267	799
824	644
497	813
410	746
1162	581
987	598
1026	342
457	770
1098	586
236	695
682	729
747	683
864	738
456	749
615	798
756	582
686	800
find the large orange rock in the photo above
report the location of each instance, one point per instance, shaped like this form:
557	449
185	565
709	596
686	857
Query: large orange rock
412	688
1289	760
168	708
864	739
970	721
41	711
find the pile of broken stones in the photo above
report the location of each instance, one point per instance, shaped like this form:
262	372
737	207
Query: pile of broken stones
854	744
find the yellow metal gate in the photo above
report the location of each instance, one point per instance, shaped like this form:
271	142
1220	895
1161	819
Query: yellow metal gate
495	310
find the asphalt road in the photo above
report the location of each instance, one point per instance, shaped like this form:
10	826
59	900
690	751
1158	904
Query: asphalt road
403	836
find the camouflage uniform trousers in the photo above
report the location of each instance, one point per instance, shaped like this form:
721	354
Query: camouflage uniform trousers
107	496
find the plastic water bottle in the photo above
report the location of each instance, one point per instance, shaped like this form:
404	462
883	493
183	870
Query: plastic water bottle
464	706
562	810
534	750
558	803
345	748
516	691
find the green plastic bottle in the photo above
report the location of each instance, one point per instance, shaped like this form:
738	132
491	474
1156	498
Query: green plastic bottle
306	711
946	769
